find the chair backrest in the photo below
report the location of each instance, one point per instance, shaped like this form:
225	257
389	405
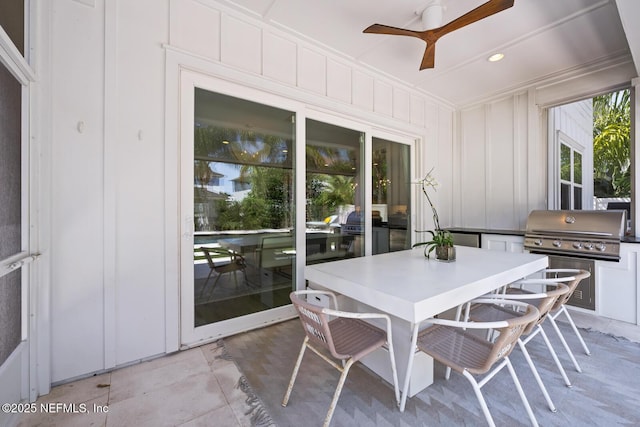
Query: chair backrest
315	323
207	254
505	343
236	261
543	301
578	276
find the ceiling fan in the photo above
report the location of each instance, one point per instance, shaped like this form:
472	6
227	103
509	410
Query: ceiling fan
431	36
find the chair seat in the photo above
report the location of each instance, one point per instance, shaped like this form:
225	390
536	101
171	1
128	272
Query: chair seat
495	313
461	350
491	313
228	268
355	338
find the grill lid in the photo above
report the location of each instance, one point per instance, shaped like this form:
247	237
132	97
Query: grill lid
586	224
588	234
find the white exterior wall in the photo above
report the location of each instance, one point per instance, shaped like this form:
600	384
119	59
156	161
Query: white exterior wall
113	280
571	124
112	300
500	161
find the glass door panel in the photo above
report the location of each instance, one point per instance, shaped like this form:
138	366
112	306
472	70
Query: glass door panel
335	203
11	215
391	196
243	207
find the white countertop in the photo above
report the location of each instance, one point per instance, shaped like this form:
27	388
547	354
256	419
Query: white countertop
411	287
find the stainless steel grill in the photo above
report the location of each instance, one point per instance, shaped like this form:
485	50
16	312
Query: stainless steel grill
583	234
576	239
355	222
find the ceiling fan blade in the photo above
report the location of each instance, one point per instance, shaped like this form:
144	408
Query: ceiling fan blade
430	37
429	53
483	11
394	31
429	57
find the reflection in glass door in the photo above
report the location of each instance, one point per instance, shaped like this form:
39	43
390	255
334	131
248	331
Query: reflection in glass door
391	196
243	207
335	204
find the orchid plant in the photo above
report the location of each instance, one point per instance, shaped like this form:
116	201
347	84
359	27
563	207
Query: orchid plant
439	237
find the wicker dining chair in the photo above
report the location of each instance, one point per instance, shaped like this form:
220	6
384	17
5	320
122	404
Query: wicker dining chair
573	277
560	307
344	335
551	290
454	344
228	262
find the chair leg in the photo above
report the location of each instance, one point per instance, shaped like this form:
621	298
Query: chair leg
532	417
336	394
545	393
205	283
575	330
215	282
480	397
294	374
554	356
564	342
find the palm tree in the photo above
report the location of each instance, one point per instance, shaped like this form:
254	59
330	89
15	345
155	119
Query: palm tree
612	141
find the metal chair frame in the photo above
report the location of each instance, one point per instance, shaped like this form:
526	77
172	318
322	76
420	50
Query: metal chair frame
543	301
236	263
449	342
560	307
345	335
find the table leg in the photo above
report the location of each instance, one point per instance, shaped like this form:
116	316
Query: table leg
412	353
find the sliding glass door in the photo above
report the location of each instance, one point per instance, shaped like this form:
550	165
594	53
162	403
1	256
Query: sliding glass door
335	203
243	207
390	195
238	208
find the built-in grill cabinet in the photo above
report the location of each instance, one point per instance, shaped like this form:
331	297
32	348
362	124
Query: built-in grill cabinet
576	239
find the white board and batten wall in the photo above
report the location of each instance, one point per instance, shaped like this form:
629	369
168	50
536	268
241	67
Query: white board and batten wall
108	87
114	230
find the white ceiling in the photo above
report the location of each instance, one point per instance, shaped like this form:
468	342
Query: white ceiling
542	39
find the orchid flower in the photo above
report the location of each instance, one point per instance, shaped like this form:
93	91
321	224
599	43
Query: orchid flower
430	181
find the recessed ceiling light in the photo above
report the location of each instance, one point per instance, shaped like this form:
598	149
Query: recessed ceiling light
496	57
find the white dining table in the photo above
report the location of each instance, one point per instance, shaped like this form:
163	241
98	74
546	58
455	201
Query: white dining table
412	289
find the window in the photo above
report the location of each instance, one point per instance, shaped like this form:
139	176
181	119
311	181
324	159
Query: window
570	178
590	153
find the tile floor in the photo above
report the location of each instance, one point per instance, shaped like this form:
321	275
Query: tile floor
192	388
197	387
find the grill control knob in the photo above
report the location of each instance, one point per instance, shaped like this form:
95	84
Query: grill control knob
537	242
588	246
601	247
557	243
577	245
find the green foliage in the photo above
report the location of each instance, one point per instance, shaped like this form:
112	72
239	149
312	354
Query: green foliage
326	193
266	206
612	142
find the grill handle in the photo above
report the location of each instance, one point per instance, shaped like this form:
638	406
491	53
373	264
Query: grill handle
574	232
